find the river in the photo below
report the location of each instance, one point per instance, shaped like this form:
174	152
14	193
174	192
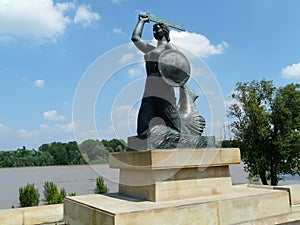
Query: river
78	179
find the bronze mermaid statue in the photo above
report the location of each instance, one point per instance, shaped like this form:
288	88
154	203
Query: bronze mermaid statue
161	122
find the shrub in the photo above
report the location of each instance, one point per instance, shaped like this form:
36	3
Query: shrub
29	196
52	196
101	188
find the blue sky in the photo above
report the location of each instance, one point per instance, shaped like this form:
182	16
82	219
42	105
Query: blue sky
69	72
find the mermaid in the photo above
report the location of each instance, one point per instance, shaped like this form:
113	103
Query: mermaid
159	119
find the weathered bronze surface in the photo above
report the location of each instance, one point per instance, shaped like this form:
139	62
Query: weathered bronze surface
174	67
161	122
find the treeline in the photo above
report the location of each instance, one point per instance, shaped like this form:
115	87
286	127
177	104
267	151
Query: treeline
97	152
58	153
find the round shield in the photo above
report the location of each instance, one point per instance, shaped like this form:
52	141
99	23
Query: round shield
174	67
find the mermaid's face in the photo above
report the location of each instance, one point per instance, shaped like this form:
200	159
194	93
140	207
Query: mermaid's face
158	32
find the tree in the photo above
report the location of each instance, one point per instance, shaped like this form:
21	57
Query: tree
101	187
59	153
29	196
52	195
115	145
285	133
95	151
267	128
74	155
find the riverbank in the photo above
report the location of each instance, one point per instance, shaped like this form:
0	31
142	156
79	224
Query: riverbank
80	179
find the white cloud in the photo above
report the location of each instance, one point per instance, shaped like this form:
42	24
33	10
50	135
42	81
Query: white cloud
196	43
85	16
4	129
123	121
27	134
68	128
39	83
135	73
117	1
126	57
292	71
44	127
65	128
122	112
65	6
6	39
33	18
118	31
14	138
53	116
81	133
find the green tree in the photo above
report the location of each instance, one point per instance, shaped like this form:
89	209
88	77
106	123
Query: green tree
95	151
29	196
74	155
115	145
259	127
59	153
52	196
101	187
285	134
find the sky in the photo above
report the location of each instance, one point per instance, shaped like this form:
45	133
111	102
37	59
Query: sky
68	70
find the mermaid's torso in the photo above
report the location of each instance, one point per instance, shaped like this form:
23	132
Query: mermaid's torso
159	98
155	84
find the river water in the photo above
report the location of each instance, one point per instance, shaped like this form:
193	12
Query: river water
78	179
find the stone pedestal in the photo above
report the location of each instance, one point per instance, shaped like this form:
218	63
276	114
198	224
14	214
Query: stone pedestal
182	187
163	175
244	206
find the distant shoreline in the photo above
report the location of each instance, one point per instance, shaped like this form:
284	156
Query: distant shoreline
81	179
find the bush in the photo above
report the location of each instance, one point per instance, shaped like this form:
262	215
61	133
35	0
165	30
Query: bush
29	196
52	196
101	188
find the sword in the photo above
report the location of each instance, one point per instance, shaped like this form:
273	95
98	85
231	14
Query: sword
157	20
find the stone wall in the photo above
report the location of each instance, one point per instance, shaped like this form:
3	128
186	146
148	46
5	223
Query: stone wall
32	215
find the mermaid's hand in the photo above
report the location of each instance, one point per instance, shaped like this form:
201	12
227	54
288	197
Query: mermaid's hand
144	17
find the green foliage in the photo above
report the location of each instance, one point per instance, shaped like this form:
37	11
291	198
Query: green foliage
101	187
230	144
267	126
63	153
29	196
94	149
57	153
115	145
23	157
97	152
52	196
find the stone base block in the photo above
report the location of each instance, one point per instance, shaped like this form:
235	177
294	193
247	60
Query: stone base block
243	205
45	214
173	184
175	158
180	189
294	191
163	175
